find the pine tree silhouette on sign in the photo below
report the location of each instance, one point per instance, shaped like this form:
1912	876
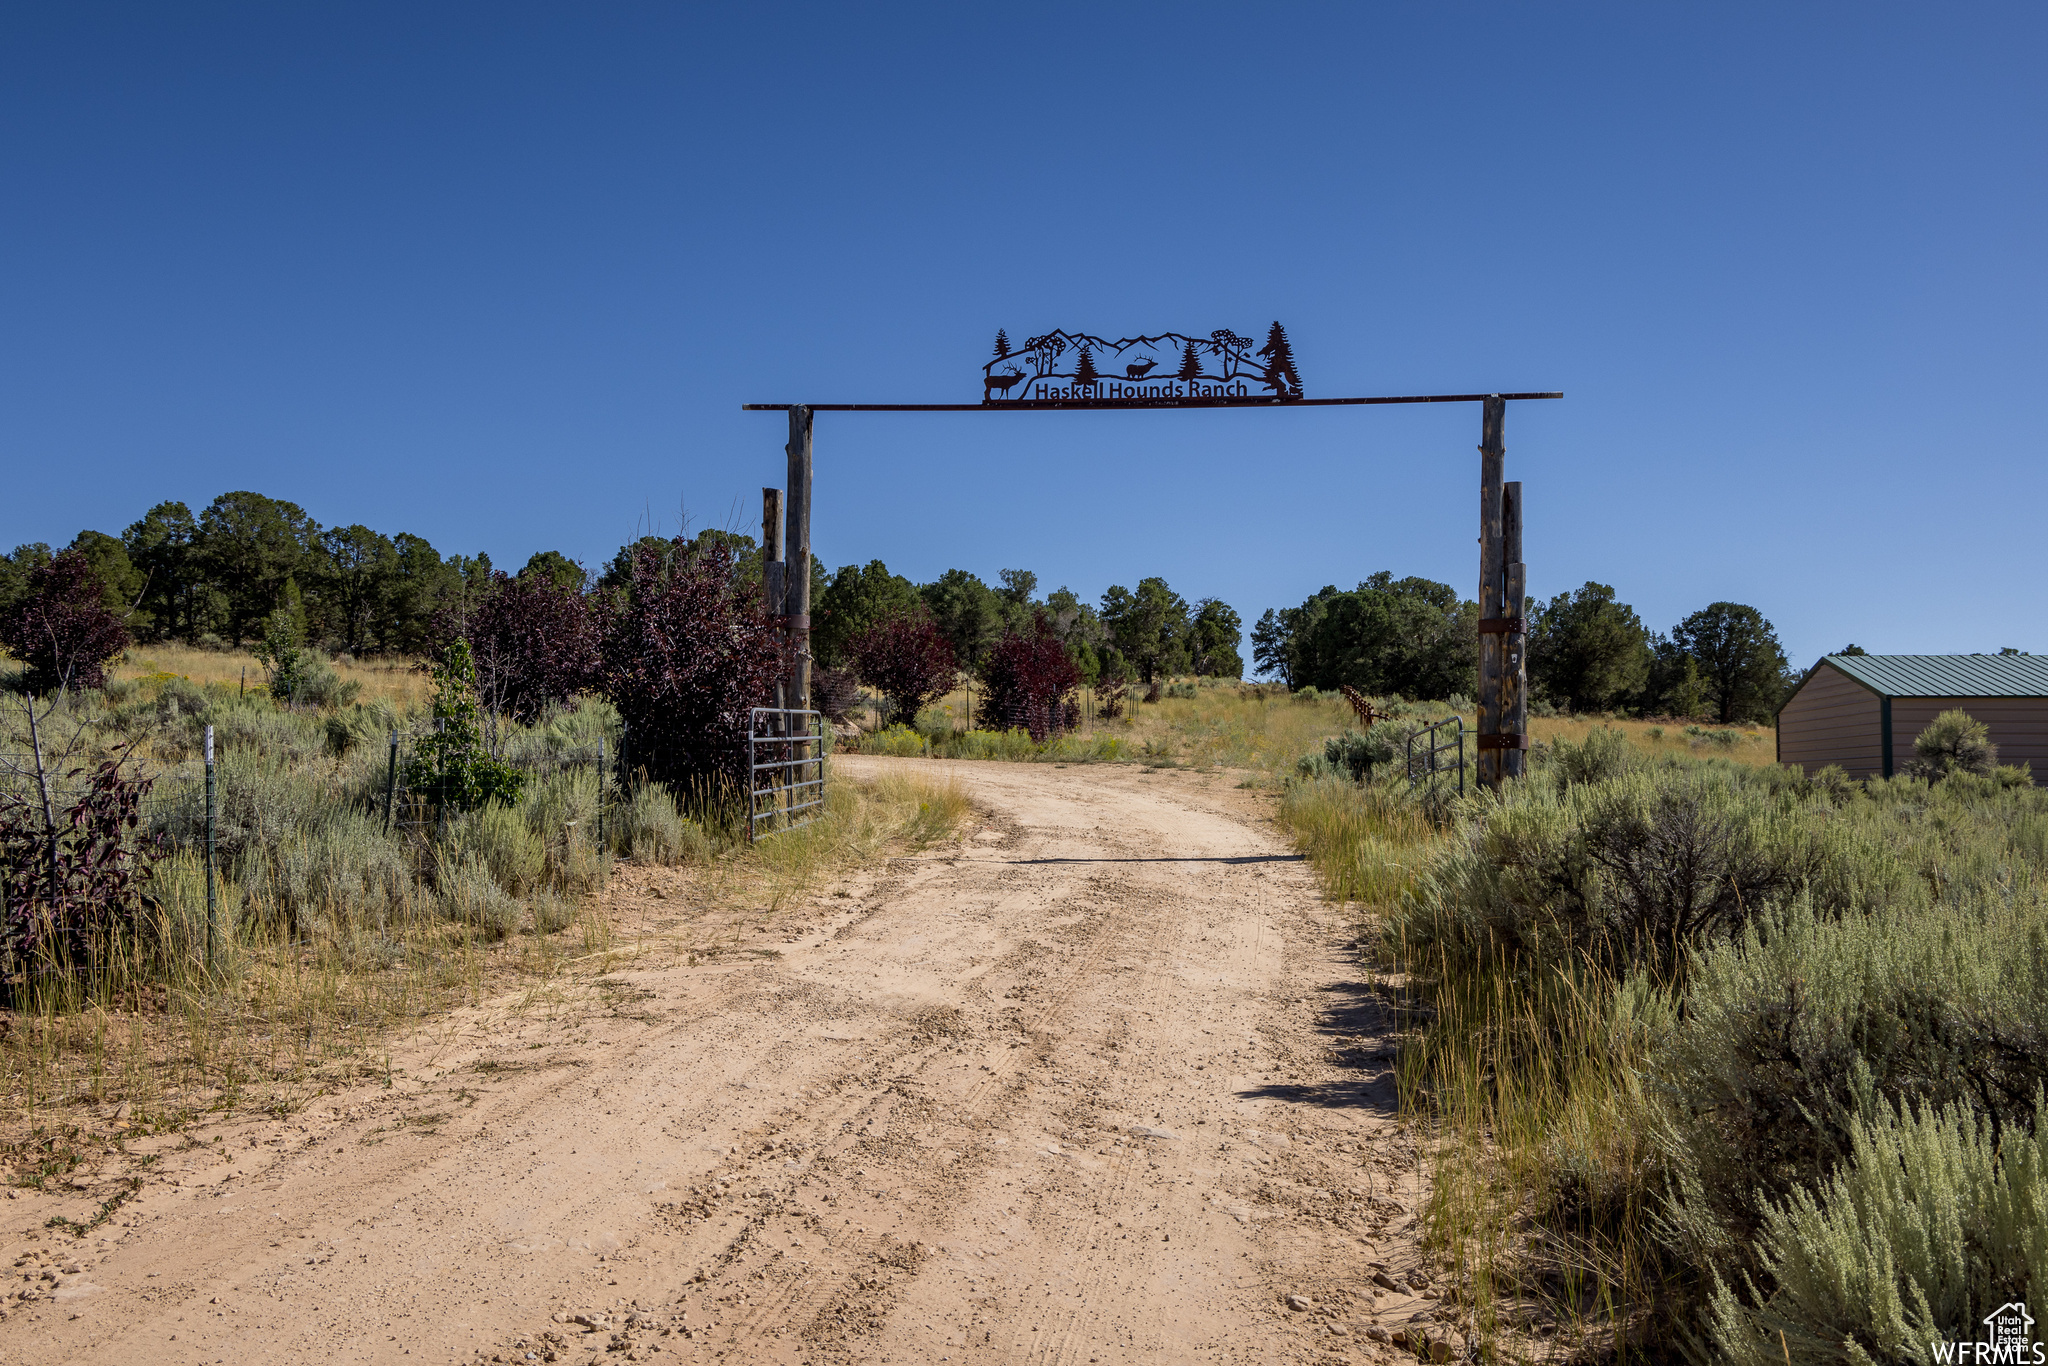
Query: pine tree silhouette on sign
1002	344
1280	373
1085	372
1190	364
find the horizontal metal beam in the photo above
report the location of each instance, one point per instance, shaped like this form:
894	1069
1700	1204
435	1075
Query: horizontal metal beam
1043	405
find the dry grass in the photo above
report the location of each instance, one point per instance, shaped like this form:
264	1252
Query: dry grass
83	1069
1493	1133
1264	731
402	683
1746	744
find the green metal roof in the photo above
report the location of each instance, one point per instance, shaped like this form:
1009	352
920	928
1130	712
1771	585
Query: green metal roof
1947	675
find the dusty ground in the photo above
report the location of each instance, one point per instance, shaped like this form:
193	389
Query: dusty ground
1100	1084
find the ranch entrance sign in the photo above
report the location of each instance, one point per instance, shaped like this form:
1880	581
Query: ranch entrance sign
1080	370
1170	368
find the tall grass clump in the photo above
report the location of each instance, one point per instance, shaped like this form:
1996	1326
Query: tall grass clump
1711	1052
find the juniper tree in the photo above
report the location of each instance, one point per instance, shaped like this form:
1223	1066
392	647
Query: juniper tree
1738	656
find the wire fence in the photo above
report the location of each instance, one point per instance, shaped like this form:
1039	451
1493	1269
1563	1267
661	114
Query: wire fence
277	831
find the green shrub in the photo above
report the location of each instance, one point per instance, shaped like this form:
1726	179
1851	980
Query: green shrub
1953	742
504	842
1633	871
470	895
1833	783
360	726
898	741
335	874
320	686
1013	745
1358	755
575	729
1938	1006
1603	754
1318	768
551	912
653	830
1936	1220
1309	693
449	764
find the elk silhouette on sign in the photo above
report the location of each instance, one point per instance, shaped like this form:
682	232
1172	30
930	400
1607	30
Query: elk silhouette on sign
1068	366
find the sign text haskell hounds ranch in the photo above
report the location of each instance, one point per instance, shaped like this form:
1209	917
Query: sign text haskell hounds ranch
1074	366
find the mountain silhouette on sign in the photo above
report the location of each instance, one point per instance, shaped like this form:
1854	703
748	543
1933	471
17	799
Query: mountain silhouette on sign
1165	359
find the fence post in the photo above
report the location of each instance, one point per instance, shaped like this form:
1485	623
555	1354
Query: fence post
1514	663
796	555
1492	454
391	782
601	845
212	893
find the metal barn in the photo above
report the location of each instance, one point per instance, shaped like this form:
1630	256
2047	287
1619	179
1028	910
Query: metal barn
1863	711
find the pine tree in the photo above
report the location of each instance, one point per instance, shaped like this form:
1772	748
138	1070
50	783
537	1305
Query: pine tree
1085	372
1190	364
1280	372
1002	344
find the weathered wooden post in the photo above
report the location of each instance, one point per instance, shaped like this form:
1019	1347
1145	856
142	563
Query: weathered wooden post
796	595
1514	670
772	567
797	576
1492	461
1503	582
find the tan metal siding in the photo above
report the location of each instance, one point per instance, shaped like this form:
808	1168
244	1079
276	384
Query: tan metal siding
1833	719
2018	726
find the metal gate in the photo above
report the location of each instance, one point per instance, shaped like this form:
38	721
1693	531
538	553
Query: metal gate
1426	748
785	769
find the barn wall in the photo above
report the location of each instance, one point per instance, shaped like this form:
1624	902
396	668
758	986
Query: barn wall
1833	719
2018	726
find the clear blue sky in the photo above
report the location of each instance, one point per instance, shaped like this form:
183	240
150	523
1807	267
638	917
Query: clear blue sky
501	275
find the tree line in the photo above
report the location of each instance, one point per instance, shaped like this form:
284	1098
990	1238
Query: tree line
1588	652
1142	634
215	578
250	569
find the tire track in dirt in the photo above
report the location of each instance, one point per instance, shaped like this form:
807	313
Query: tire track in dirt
1050	1095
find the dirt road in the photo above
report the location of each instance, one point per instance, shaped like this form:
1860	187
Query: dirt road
1098	1084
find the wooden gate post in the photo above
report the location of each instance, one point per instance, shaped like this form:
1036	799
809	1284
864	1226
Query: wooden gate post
1514	653
1492	462
797	575
772	568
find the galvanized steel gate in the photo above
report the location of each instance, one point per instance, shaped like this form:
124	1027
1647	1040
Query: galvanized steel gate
787	748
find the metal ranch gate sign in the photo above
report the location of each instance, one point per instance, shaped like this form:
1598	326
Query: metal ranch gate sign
1063	367
1060	370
